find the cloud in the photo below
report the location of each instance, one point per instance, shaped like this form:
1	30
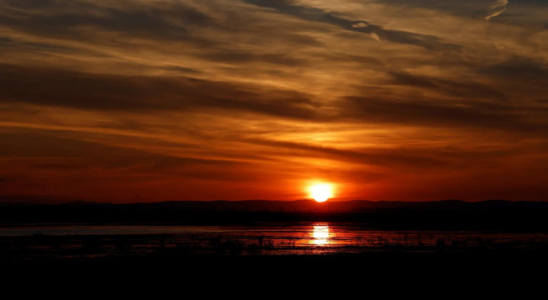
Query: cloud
67	17
138	93
487	116
203	99
496	9
526	67
378	32
452	88
68	154
375	36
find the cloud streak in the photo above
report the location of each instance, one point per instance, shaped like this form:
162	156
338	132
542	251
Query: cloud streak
496	9
375	31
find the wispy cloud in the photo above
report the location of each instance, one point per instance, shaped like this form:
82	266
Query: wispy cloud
497	9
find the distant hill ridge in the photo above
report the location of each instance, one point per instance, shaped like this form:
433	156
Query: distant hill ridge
295	206
498	215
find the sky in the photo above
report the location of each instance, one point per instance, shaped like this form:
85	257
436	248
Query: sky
157	100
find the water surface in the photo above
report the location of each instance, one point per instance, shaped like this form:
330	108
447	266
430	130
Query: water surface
318	237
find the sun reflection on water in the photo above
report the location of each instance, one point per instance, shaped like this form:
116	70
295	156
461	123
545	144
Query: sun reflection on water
320	235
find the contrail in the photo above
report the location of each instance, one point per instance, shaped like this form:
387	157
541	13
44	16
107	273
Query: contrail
497	9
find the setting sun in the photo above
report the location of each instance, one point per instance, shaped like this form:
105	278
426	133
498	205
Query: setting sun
321	192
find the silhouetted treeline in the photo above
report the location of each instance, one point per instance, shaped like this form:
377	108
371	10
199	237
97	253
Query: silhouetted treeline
441	215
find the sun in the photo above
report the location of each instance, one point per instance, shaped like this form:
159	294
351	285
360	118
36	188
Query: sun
321	192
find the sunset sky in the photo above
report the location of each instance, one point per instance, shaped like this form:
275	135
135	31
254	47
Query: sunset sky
154	100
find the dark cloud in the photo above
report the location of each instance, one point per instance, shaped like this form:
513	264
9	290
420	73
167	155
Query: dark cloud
468	8
403	158
480	107
396	36
59	153
29	4
516	12
239	57
140	93
523	78
181	70
168	21
465	88
450	114
527	68
11	44
398	157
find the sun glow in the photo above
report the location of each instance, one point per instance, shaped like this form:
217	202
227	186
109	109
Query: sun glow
321	192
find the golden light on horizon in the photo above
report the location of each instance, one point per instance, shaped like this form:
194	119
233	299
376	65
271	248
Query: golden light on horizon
321	192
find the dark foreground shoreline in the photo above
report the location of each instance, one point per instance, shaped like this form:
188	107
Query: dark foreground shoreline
385	271
123	259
